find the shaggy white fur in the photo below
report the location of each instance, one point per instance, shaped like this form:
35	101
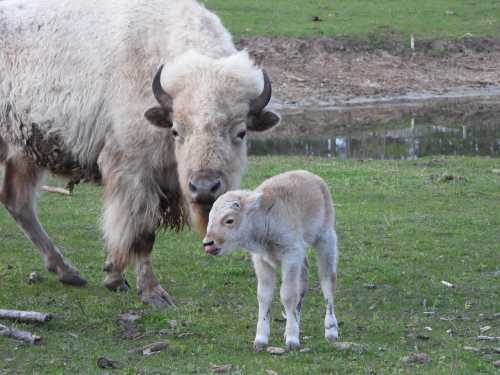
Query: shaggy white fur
76	77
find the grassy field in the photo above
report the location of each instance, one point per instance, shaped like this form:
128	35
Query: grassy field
401	227
424	18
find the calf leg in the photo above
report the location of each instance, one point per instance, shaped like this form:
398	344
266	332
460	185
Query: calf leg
291	297
266	280
303	285
303	282
18	196
327	255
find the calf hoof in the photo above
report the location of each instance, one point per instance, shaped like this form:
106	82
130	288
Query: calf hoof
116	283
332	334
157	297
293	344
259	346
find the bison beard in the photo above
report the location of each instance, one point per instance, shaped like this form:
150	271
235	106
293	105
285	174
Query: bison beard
199	219
173	213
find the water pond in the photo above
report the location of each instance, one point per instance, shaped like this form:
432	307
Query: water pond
386	131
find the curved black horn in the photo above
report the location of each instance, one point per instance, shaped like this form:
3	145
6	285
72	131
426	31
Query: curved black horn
258	104
163	98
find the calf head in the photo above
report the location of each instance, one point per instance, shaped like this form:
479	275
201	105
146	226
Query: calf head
231	222
208	105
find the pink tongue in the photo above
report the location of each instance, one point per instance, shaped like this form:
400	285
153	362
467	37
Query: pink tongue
210	248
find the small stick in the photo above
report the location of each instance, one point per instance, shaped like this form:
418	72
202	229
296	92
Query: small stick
51	189
24	316
447	284
19	335
151	348
488	338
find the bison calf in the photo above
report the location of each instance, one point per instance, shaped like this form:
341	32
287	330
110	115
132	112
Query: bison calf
276	223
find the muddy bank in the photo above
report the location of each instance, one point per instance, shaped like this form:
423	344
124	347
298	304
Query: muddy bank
327	71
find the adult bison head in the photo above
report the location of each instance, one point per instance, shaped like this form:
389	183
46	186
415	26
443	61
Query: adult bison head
209	105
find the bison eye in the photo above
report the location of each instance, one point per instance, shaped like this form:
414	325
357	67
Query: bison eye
175	133
229	221
241	134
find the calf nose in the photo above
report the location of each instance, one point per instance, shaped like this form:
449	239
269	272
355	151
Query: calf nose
208	242
205	189
210	247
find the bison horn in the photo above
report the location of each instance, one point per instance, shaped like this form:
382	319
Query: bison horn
163	98
258	104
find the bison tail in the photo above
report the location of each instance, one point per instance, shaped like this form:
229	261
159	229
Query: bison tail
4	149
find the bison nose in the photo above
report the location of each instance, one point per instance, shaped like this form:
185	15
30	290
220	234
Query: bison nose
205	189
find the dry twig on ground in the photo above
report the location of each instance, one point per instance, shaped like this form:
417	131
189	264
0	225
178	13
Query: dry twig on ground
24	316
19	335
51	189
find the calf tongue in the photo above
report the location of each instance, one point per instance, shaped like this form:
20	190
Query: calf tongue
210	248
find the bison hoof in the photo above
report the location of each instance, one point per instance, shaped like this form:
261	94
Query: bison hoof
116	283
73	279
65	271
157	297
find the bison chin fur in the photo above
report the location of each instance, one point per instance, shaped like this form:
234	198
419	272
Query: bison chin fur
199	218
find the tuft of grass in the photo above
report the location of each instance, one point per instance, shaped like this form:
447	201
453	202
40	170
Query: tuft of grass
400	228
360	18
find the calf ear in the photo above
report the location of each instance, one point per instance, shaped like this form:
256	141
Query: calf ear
262	121
158	116
251	202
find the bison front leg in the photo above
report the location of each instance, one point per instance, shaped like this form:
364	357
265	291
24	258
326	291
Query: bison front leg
149	287
115	281
130	238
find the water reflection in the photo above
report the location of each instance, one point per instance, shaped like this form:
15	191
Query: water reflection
409	138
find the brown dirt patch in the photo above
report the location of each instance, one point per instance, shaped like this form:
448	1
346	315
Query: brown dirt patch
326	70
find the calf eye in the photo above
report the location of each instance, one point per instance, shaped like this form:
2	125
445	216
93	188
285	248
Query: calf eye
175	133
241	134
229	221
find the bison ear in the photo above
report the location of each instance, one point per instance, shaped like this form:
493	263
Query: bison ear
158	116
262	121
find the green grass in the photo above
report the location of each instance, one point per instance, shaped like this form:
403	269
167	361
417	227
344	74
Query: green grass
424	18
399	228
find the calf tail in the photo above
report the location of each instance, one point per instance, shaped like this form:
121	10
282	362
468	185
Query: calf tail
329	207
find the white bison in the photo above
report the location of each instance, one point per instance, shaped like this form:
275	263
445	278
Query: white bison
76	99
